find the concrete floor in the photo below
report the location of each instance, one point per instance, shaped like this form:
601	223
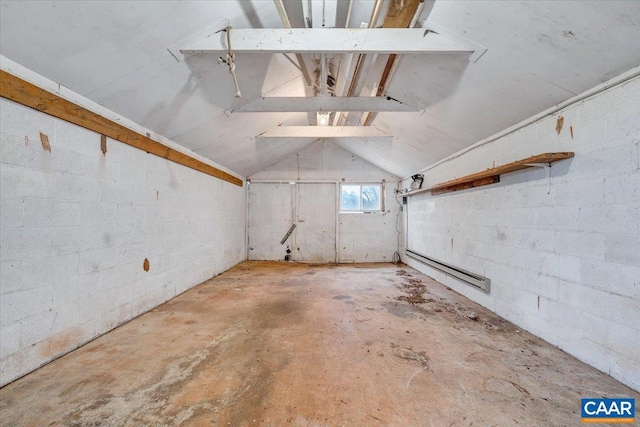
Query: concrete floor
273	344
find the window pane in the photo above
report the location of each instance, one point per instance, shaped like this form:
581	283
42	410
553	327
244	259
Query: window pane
350	197
371	197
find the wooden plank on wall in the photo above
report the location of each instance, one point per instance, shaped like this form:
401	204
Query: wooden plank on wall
466	185
509	167
18	90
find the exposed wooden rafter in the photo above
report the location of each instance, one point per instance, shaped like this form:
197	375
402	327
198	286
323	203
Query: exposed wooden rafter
400	14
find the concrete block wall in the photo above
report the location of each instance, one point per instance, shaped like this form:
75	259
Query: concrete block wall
564	260
370	237
76	226
362	237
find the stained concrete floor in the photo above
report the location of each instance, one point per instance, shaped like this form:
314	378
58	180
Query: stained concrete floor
271	344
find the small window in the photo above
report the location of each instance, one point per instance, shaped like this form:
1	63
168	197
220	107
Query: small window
360	197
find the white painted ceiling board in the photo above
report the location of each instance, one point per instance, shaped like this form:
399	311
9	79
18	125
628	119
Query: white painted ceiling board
295	13
85	45
392	156
188	97
361	12
233	138
249	158
324	160
115	53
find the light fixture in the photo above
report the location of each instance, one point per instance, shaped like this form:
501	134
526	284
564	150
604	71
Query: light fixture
323	118
417	181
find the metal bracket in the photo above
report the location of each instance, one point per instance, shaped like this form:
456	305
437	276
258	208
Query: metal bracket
477	49
211	31
547	168
286	236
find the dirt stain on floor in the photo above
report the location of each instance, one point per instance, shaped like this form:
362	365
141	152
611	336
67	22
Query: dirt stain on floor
337	347
415	290
408	353
150	404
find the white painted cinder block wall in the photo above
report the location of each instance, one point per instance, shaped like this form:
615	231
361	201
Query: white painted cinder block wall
563	265
361	237
76	226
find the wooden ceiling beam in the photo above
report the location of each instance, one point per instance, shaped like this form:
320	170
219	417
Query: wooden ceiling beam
400	14
327	40
324	132
323	103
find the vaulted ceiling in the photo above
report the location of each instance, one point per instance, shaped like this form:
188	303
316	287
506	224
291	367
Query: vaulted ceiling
539	53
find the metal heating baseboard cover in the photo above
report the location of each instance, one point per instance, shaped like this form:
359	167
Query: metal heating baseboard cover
480	282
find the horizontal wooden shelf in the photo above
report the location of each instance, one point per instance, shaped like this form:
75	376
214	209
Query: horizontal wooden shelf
491	175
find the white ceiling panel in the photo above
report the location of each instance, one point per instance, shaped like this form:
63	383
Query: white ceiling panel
539	53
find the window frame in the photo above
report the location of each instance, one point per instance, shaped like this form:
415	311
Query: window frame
378	184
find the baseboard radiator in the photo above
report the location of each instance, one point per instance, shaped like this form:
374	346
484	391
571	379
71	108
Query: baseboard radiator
473	279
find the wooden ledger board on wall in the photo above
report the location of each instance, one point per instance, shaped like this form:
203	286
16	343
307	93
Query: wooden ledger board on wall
18	90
